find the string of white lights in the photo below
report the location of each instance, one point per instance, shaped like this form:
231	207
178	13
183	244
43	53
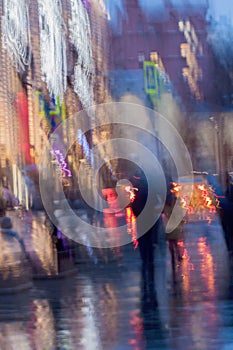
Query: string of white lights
82	86
80	37
16	32
53	46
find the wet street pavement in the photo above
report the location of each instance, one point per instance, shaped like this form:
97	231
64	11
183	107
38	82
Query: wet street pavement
103	306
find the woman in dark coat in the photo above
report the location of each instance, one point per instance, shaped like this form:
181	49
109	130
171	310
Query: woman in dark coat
148	239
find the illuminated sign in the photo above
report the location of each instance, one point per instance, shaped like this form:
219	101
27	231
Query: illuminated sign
54	112
40	103
151	78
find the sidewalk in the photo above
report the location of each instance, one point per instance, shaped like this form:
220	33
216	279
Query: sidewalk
39	245
203	242
105	308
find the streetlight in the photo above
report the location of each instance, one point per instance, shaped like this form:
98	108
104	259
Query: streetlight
217	147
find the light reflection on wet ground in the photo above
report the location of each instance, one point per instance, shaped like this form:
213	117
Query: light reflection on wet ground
102	306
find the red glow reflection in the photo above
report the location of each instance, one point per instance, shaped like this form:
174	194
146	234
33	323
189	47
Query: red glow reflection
138	329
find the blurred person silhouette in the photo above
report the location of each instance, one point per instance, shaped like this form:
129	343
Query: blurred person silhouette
150	238
176	236
3	203
58	238
225	210
7	231
9	197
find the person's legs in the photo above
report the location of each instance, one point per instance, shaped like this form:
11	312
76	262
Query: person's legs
172	249
180	250
143	254
150	266
172	252
160	236
147	255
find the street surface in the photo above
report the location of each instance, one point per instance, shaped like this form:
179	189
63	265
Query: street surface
103	306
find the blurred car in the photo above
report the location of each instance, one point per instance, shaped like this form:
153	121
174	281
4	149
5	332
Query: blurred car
197	196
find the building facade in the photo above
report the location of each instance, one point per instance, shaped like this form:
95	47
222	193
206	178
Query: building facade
52	66
175	39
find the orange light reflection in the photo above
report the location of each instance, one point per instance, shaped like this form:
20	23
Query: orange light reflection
207	265
131	226
186	266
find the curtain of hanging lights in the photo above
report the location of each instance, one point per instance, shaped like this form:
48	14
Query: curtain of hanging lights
53	46
16	32
80	37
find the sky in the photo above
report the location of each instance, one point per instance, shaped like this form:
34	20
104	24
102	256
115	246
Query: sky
217	8
221	8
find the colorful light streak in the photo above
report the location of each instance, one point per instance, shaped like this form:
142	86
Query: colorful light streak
59	158
184	203
131	192
176	187
208	202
